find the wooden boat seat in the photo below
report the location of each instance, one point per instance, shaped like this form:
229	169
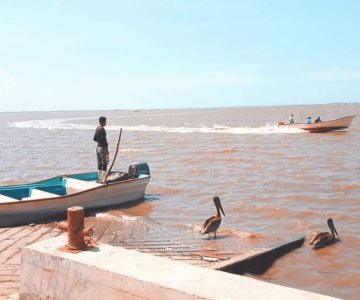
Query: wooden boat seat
5	199
38	194
72	185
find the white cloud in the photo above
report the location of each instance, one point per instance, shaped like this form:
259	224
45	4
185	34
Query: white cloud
335	74
7	81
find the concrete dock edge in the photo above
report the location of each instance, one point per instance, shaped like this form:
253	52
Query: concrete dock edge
108	272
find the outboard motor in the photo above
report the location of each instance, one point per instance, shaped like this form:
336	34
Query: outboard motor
135	171
139	169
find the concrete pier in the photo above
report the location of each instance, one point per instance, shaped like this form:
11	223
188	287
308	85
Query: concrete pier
109	272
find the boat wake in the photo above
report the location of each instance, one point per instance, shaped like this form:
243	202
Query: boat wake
81	124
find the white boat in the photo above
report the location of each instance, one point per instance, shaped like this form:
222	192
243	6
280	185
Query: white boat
337	124
50	198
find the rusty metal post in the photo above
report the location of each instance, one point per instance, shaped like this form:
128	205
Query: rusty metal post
75	218
75	228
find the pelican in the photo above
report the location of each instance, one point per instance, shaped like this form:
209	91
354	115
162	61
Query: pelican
323	239
212	224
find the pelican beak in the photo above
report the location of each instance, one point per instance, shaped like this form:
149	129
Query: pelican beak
221	209
334	229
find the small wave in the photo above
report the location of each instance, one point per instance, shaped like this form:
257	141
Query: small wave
129	218
221	151
106	216
347	187
122	216
241	234
53	124
130	150
224	231
167	191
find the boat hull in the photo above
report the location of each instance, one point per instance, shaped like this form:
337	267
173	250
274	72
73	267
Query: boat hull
102	195
332	125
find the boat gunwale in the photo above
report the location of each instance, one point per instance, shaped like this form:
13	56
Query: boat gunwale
43	180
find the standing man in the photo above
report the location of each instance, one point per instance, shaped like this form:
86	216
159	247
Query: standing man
291	119
102	151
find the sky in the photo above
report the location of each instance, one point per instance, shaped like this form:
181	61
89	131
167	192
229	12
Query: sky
100	55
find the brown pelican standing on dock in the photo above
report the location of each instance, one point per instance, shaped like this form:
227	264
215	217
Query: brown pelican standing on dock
323	239
212	224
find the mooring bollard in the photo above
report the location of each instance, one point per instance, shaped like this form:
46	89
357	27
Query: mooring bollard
75	228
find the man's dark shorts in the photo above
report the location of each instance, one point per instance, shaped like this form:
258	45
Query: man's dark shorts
101	154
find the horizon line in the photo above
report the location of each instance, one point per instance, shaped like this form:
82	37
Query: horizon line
175	108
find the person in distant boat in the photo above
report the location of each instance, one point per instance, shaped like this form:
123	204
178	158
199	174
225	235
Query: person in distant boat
102	151
317	120
308	120
291	119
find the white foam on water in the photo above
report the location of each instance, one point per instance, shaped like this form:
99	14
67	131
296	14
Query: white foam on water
108	216
68	124
53	124
129	150
129	218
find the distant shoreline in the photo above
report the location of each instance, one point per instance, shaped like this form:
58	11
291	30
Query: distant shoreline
178	108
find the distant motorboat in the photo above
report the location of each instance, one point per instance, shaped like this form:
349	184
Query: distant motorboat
326	126
49	198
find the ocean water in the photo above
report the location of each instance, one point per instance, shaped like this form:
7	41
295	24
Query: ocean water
272	182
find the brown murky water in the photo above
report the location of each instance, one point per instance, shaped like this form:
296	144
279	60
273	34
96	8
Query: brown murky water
272	182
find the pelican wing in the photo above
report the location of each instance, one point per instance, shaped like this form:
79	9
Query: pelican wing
211	225
207	222
315	236
322	239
